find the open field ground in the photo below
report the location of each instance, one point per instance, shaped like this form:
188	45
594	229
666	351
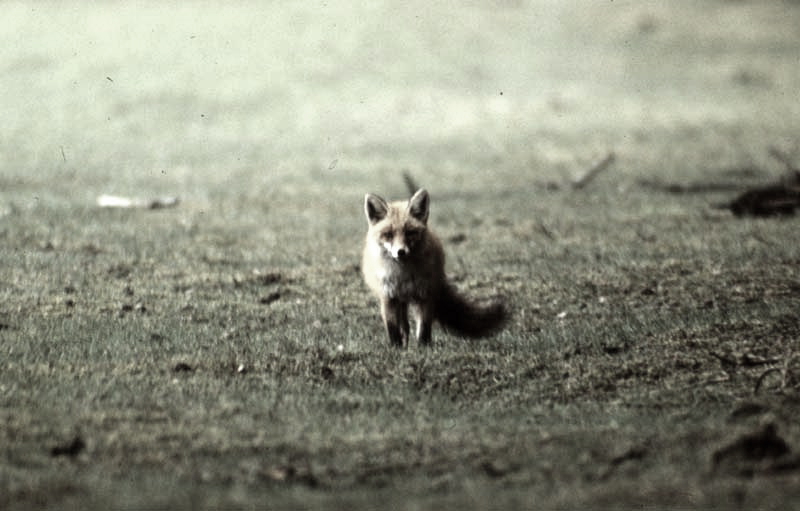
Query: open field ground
224	354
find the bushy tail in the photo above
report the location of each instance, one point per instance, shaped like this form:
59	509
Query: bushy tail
460	316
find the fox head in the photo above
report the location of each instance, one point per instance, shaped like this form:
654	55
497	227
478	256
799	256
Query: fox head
398	227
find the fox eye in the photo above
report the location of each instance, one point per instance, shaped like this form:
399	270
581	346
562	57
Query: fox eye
413	234
387	234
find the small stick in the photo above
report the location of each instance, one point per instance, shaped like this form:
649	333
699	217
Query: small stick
763	376
594	171
411	185
115	201
724	359
546	231
783	158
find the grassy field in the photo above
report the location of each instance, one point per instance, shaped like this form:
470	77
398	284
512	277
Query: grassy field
224	353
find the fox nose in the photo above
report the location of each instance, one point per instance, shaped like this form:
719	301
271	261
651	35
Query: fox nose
401	253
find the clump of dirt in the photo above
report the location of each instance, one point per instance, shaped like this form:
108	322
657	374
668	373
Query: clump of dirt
772	200
69	449
761	451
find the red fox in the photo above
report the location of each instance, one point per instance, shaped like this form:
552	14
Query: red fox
403	265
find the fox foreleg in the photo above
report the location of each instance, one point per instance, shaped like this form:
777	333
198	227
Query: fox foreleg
395	318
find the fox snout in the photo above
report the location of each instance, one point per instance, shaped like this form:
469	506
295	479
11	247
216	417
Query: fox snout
397	251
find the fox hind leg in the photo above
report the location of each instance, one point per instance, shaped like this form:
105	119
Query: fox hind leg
424	318
395	318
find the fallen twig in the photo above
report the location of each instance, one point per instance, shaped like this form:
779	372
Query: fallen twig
690	187
743	359
783	158
725	359
593	171
546	230
763	377
115	201
787	377
411	184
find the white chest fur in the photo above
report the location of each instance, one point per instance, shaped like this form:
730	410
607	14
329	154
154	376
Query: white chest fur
403	285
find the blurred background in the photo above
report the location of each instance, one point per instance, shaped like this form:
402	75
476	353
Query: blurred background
131	97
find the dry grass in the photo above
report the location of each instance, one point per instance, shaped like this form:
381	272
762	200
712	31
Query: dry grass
225	354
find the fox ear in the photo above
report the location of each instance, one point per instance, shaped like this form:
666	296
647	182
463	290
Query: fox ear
375	208
418	205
